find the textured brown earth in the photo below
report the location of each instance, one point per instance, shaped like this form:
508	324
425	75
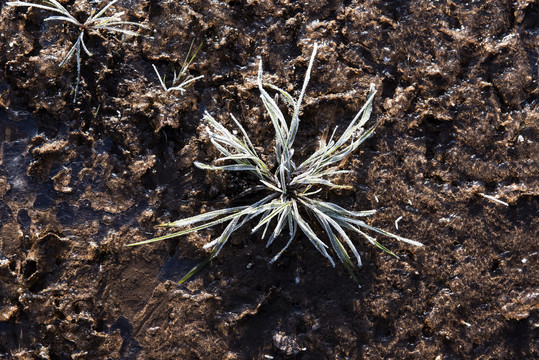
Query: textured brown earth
457	107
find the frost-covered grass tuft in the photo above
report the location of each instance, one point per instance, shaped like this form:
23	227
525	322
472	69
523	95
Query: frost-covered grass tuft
96	21
186	80
292	187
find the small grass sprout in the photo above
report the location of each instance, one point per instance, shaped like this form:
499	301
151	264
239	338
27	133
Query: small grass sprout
186	80
96	21
292	187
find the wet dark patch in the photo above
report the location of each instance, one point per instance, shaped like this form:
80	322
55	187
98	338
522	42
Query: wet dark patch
130	347
174	268
65	213
5	213
44	200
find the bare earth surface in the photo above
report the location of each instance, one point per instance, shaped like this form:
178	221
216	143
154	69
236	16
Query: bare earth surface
457	107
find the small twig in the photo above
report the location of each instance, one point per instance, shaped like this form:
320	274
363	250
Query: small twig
492	198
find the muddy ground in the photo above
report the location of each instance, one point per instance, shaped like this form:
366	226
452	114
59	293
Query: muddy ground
457	107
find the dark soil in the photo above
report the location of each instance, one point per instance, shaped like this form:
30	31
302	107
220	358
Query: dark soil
457	107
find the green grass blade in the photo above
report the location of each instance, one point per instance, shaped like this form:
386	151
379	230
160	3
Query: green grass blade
295	117
204	217
59	9
160	78
196	269
102	11
62	18
269	217
293	230
286	96
311	235
237	167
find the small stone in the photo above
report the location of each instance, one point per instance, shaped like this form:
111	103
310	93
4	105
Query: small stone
286	344
7	312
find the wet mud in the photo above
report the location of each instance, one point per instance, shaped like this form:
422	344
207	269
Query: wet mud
457	107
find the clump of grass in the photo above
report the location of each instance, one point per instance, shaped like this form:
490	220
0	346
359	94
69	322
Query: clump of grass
95	22
292	187
186	80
